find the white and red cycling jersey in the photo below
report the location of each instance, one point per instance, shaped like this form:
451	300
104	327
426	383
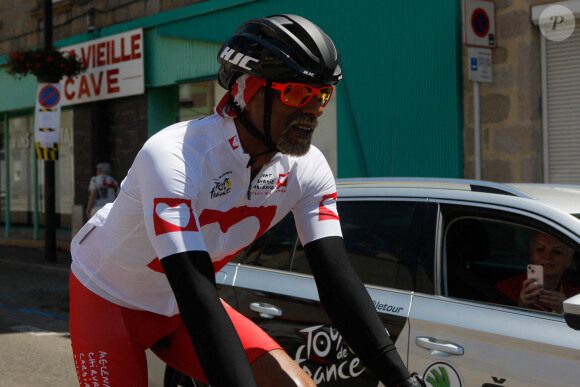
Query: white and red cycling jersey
189	189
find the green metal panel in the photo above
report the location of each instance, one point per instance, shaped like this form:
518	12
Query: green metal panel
163	107
170	60
400	102
18	94
401	96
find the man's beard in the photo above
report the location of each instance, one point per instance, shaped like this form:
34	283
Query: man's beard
294	147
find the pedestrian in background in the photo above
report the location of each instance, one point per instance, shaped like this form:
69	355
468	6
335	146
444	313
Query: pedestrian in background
103	189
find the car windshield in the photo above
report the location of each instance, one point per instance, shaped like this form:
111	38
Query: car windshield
576	215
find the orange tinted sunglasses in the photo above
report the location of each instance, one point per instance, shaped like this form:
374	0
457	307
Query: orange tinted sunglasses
299	94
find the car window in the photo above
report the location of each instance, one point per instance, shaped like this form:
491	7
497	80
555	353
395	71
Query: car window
486	260
376	235
273	249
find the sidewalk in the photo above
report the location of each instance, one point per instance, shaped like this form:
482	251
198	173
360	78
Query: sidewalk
21	250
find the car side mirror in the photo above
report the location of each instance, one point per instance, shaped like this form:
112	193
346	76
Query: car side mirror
572	312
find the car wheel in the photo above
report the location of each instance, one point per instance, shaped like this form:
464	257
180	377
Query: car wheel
174	378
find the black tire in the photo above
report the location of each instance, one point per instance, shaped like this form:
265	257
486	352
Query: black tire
174	378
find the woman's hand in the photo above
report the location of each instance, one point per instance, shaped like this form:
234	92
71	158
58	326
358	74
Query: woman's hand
553	299
530	293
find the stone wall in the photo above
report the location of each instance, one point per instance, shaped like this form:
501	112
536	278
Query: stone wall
511	126
22	21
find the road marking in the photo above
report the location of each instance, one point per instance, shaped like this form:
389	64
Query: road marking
34	330
36	312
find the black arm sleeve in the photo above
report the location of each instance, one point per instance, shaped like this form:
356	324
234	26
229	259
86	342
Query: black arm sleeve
212	333
351	310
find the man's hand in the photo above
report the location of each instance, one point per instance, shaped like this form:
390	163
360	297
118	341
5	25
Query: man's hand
414	381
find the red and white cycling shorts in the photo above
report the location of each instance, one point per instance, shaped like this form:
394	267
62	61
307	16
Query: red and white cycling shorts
109	341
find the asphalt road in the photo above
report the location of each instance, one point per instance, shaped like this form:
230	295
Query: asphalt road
35	346
34	337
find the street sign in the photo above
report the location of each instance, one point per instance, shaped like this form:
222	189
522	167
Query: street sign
480	64
479	23
47	121
48	96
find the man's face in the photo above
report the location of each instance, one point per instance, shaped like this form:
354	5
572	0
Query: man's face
291	127
549	252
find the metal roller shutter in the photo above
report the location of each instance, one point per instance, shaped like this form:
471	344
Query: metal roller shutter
562	95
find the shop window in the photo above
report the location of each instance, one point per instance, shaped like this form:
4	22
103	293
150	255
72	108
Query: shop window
197	100
65	170
27	178
21	169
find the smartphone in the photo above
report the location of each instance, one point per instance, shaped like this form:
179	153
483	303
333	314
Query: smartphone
536	272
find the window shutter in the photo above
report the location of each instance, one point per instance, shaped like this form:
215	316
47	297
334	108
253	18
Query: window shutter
563	108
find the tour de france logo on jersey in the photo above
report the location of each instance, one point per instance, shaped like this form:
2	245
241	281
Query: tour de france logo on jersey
221	186
173	215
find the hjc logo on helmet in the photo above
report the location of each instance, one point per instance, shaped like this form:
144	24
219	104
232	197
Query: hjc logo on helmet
239	59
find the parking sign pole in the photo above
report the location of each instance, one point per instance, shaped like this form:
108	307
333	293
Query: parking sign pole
477	129
479	34
49	167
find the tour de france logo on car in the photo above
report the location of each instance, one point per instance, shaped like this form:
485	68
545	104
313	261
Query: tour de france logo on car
173	215
326	357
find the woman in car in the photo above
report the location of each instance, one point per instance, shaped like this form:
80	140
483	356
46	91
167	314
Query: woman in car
555	257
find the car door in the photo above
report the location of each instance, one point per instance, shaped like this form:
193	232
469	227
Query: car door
274	286
470	334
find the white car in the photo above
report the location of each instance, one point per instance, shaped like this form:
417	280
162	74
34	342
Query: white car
431	253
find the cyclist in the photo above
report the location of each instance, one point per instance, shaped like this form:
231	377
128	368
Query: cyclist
198	192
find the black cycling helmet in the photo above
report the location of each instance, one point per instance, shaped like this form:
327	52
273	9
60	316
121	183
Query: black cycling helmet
281	48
